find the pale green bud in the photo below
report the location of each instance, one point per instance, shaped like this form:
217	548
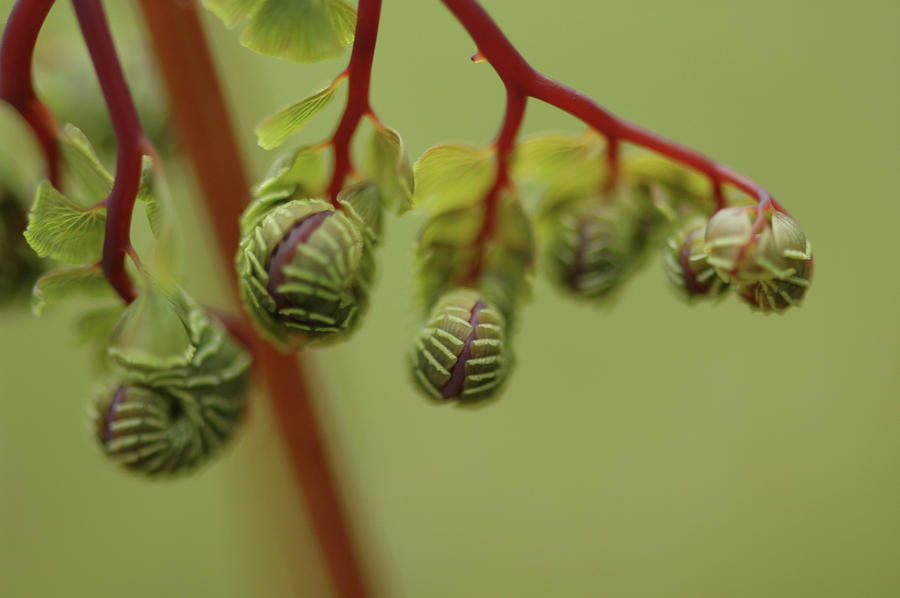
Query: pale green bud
745	257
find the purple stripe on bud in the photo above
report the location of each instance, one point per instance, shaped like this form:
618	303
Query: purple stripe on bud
454	386
284	251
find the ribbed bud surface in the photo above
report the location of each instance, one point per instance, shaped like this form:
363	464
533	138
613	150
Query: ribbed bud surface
180	387
306	269
686	262
773	267
461	354
590	250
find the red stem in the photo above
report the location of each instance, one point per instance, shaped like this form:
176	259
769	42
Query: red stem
506	140
359	71
205	130
131	143
16	87
516	73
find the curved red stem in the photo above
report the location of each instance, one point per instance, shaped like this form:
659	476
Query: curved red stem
131	143
359	71
16	87
515	72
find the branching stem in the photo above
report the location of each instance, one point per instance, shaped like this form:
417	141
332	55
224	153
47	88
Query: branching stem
16	87
359	72
131	144
521	80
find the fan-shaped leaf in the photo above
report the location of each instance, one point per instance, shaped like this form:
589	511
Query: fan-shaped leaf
450	174
231	12
300	30
566	164
60	229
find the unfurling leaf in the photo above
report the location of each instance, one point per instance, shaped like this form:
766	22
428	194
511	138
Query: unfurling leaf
389	167
301	170
60	229
300	30
274	130
178	385
62	284
93	180
452	176
152	333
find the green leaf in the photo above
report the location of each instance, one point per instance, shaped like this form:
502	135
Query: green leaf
62	284
303	167
274	130
566	164
94	181
389	167
152	333
452	176
300	30
60	229
231	12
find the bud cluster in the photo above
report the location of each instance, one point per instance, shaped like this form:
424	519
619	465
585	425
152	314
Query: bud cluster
769	265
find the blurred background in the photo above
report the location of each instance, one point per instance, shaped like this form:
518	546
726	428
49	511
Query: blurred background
648	450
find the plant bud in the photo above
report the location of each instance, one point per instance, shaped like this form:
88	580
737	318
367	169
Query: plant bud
306	269
461	354
590	250
744	257
686	262
180	385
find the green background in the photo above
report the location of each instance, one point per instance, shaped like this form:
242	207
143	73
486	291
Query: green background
648	450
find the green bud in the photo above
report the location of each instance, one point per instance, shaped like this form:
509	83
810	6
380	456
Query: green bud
19	266
180	385
780	293
461	354
686	262
745	257
589	249
306	269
